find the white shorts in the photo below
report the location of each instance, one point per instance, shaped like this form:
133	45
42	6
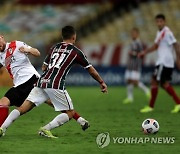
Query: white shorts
59	98
132	75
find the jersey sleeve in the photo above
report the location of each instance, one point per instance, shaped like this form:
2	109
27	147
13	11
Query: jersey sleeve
170	38
22	44
82	60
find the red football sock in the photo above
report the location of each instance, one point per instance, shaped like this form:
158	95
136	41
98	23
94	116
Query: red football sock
170	90
4	110
154	92
76	116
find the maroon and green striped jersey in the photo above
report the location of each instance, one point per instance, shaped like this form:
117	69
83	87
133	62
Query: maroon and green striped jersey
60	59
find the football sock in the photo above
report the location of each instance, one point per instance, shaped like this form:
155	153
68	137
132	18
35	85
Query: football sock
143	87
170	90
4	110
10	119
154	92
81	121
130	91
57	121
76	116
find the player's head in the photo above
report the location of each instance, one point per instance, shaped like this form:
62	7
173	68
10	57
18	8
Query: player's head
160	21
69	34
134	33
2	43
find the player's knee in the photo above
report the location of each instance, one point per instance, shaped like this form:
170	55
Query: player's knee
164	84
154	82
4	101
70	113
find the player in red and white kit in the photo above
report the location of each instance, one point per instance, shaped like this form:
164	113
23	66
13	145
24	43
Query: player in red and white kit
14	57
165	43
51	84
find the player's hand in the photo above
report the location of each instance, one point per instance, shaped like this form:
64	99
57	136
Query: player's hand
103	87
141	54
132	53
24	50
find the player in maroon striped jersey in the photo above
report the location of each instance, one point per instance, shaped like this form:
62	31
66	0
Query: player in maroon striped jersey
51	84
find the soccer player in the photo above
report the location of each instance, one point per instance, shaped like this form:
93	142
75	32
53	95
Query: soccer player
165	42
14	56
51	84
133	72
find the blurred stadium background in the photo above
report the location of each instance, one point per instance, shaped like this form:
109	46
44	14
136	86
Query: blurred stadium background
103	31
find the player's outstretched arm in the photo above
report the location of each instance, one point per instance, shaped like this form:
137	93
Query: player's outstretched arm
92	71
148	50
33	51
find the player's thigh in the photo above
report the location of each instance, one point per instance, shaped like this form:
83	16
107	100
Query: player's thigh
60	99
135	75
37	96
166	75
11	97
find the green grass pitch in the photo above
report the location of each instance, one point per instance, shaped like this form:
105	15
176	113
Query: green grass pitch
106	113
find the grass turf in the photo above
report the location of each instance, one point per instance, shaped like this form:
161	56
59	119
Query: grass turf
106	113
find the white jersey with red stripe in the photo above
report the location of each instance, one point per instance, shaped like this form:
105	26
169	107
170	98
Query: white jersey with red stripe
17	63
165	40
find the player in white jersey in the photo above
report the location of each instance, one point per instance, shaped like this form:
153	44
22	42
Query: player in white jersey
165	43
14	57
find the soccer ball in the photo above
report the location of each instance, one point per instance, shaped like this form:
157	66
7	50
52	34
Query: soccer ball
150	126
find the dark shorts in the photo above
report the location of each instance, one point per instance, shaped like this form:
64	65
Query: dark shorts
162	74
17	95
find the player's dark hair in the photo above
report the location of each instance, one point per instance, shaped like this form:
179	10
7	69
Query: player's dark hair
160	16
68	32
135	29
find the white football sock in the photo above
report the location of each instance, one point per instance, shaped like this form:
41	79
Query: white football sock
130	88
143	87
57	121
81	121
10	119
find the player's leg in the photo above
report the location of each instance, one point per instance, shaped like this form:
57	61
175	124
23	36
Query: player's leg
165	78
61	102
5	102
157	76
25	107
15	96
4	109
144	88
154	92
36	97
83	122
130	87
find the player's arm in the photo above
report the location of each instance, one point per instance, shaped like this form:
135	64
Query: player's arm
82	60
92	71
45	63
32	51
148	50
47	59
